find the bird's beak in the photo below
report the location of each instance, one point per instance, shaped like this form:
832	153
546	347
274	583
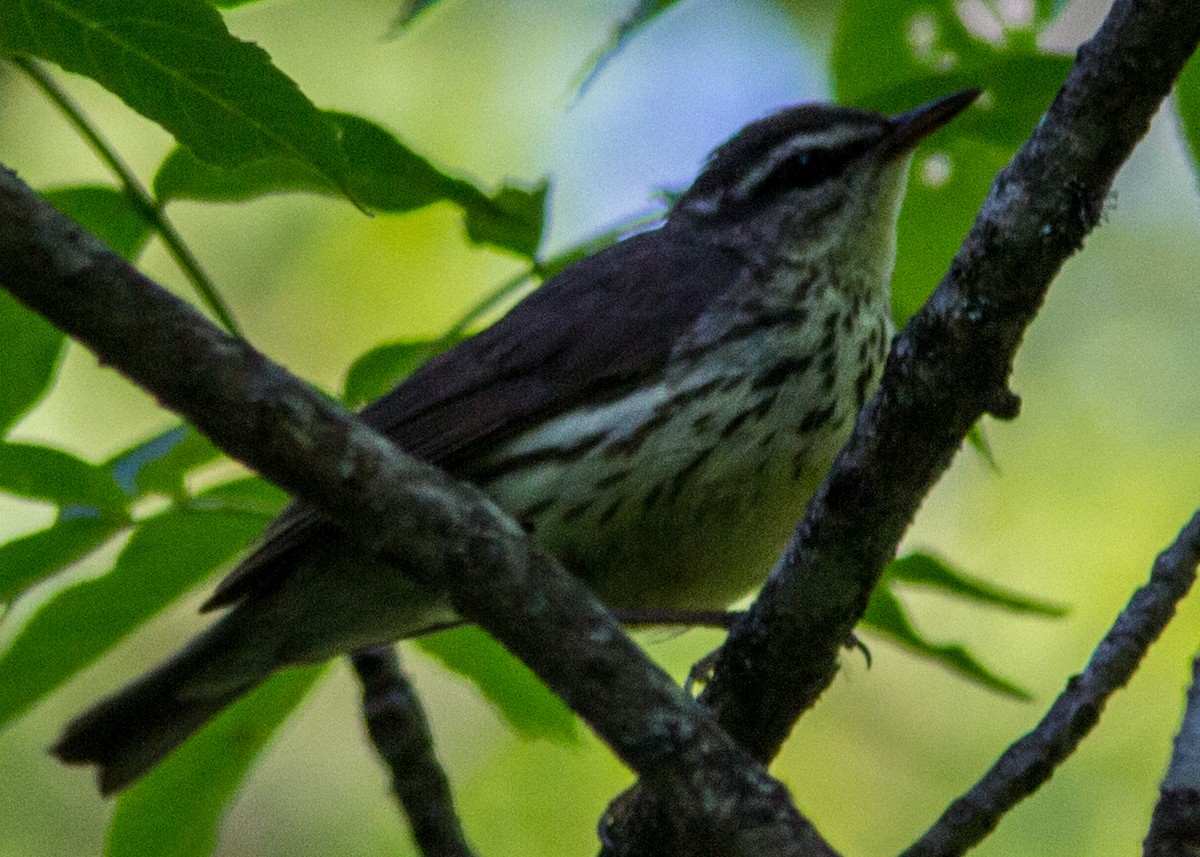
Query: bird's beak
905	131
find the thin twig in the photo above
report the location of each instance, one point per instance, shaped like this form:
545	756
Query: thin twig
147	208
400	732
1030	761
1175	825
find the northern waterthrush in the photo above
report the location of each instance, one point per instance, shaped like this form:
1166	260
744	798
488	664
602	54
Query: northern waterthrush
658	414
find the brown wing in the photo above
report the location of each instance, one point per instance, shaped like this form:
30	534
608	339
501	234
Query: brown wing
589	333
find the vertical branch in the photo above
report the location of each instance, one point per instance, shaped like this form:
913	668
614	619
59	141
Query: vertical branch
400	732
1175	825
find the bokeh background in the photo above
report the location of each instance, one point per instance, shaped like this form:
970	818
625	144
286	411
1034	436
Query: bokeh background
1095	477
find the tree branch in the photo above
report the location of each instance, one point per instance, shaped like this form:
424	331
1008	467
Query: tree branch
400	733
1029	762
449	534
947	368
1175	825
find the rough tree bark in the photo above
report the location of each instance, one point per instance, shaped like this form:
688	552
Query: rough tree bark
700	791
452	537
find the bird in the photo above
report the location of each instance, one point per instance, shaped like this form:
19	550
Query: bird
657	415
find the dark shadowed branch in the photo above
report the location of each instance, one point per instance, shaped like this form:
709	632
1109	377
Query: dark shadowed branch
947	368
398	729
1175	825
1028	763
449	534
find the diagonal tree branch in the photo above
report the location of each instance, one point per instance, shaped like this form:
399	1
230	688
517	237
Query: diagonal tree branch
398	729
450	535
947	368
1029	762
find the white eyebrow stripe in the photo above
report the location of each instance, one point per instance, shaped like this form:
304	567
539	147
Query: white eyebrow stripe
829	139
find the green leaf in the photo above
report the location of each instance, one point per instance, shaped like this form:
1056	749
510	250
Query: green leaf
937	216
385	366
1019	86
29	359
1187	106
638	17
106	213
43	473
531	709
175	62
513	218
166	556
978	440
159	464
924	569
1048	10
384	175
885	615
31	558
176	810
250	494
895	56
409	11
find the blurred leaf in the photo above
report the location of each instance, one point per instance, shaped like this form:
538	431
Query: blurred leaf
159	464
385	366
175	62
409	11
1048	10
529	707
230	4
512	218
936	217
885	615
184	176
377	371
166	556
250	494
1018	89
1187	106
28	360
978	440
384	175
177	809
106	213
927	570
31	558
642	13
44	473
893	57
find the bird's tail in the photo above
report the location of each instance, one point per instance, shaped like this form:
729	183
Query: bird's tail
128	733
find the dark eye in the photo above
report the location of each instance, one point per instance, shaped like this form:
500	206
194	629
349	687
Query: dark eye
806	168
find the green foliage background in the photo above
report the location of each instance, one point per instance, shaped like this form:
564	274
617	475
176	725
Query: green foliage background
446	130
